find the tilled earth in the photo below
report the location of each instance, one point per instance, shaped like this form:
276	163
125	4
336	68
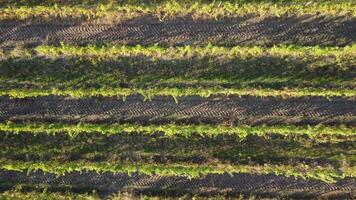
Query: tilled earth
252	110
307	30
265	185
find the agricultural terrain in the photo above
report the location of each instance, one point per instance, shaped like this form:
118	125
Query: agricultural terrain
141	99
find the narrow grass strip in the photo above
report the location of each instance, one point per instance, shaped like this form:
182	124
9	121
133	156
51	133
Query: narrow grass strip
326	173
169	9
336	54
155	51
320	132
144	2
176	93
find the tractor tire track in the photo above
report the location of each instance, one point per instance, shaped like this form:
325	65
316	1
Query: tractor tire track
249	110
108	183
304	30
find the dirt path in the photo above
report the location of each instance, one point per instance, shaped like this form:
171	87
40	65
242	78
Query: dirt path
251	110
306	30
108	183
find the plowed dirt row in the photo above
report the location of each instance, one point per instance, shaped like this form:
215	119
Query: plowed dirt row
305	30
108	183
233	109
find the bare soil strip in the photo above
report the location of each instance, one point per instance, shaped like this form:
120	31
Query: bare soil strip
107	184
251	110
305	30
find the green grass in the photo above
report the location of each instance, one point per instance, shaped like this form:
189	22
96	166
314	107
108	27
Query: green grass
170	9
326	173
319	132
287	71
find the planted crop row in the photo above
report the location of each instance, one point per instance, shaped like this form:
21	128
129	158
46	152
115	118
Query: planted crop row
122	70
176	92
141	2
338	54
325	173
134	148
319	132
169	9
